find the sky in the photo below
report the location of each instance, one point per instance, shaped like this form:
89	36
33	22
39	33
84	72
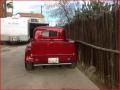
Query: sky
34	6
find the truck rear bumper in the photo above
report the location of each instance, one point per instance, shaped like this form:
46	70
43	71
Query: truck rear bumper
46	62
51	60
52	64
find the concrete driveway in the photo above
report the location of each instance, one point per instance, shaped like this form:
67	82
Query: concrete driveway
14	75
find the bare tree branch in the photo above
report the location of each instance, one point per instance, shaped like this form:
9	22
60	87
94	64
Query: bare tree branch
64	9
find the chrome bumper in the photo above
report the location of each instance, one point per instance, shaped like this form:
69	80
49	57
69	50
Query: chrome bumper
52	64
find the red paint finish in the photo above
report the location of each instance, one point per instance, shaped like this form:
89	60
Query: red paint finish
50	42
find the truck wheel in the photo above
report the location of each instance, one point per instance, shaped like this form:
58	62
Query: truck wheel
29	66
73	65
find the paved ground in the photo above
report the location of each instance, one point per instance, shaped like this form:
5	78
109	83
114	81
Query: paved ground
14	75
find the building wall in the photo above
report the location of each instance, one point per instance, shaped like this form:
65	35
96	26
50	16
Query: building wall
2	9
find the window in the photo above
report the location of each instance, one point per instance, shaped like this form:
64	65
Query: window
45	34
49	34
52	34
34	20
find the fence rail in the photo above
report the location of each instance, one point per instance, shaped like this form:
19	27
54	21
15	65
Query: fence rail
99	48
97	40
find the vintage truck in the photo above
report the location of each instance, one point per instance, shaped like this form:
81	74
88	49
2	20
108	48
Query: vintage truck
50	47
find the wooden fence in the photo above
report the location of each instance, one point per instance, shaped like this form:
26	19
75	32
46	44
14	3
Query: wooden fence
96	37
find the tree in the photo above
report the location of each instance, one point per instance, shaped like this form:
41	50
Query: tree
64	10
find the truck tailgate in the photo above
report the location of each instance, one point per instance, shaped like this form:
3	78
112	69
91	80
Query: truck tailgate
54	49
60	48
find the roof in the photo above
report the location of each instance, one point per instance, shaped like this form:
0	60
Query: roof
37	15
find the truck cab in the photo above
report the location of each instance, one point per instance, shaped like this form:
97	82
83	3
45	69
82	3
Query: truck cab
50	47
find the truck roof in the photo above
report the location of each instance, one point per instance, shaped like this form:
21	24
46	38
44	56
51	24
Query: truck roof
59	29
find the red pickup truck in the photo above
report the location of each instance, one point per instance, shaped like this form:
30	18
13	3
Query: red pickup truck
49	47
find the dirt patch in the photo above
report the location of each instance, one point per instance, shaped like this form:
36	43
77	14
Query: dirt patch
90	72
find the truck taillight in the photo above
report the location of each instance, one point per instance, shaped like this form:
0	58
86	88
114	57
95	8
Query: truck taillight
31	55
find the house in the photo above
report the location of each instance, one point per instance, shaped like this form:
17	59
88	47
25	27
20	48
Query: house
33	17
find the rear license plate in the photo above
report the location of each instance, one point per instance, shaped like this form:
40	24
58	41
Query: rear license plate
53	60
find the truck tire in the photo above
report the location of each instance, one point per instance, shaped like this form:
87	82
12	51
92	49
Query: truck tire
73	65
29	66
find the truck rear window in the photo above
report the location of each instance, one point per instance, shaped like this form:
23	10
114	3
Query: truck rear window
49	34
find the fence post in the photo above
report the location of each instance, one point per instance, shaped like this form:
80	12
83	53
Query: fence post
118	48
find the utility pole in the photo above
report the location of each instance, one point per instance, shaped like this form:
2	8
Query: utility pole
41	8
12	7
